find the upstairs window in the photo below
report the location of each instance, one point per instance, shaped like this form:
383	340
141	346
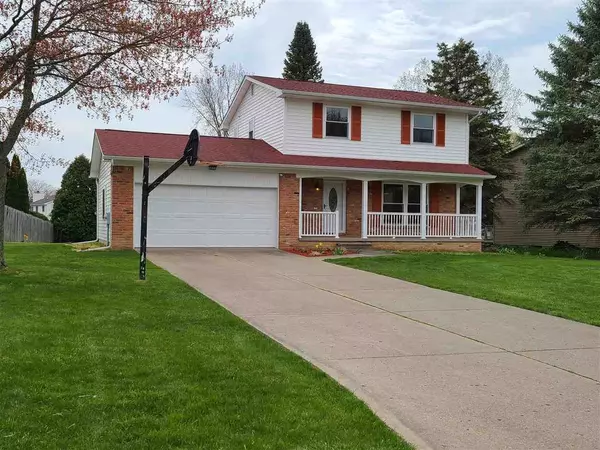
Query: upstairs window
336	122
423	128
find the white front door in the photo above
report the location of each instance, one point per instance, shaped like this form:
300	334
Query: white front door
334	199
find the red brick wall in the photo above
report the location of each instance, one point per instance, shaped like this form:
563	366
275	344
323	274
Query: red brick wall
289	190
442	198
312	200
353	208
430	246
122	207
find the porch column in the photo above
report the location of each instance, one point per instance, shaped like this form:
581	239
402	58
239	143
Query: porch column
300	207
423	210
458	198
365	208
478	206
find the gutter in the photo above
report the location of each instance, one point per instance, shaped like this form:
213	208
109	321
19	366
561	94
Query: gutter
315	168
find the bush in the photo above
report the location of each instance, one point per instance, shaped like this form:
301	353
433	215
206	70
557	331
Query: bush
561	249
74	210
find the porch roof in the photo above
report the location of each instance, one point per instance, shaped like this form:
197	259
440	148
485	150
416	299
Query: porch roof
240	151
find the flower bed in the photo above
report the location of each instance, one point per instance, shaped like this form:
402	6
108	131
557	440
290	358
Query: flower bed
315	252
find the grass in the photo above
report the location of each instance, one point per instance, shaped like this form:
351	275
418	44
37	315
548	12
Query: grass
561	287
91	358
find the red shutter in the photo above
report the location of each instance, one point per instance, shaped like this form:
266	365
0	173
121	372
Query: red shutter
440	130
356	123
405	128
317	119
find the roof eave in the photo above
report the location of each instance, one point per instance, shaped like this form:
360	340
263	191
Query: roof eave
464	109
319	168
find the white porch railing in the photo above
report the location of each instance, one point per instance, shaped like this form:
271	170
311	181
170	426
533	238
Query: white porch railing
452	225
320	223
381	224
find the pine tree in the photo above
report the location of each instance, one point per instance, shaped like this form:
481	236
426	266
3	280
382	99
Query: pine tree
561	187
459	74
301	62
17	192
74	210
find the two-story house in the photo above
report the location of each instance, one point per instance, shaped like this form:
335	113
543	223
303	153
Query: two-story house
305	162
42	203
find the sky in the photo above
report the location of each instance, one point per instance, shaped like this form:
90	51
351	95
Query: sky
362	42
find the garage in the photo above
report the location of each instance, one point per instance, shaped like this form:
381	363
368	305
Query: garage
209	216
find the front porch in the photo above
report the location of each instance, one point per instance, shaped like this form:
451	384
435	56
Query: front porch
391	210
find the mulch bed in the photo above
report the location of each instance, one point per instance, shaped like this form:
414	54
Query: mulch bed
310	253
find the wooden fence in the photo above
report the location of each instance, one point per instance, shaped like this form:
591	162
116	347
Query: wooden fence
17	224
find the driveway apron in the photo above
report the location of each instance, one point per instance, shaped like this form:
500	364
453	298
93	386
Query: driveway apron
446	371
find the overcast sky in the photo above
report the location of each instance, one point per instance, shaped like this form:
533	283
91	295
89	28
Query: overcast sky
363	42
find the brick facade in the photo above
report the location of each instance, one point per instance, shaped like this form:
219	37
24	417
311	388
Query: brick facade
430	246
353	208
442	198
289	191
122	208
312	194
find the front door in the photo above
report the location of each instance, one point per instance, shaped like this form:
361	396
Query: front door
334	199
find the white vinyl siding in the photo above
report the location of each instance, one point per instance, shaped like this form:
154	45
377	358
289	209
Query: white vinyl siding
264	111
380	136
104	184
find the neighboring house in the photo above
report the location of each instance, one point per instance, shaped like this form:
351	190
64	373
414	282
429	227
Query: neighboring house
42	203
510	228
307	162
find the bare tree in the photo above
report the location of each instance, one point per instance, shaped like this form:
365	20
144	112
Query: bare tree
413	79
37	185
512	97
211	96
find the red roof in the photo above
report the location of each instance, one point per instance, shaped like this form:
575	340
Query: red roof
136	144
360	91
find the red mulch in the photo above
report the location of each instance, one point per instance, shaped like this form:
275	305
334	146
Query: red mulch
311	253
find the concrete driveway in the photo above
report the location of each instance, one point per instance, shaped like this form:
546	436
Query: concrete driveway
445	370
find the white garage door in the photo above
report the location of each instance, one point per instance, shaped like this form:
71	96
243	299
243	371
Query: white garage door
209	216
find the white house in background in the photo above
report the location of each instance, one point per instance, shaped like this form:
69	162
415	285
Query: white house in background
42	203
305	162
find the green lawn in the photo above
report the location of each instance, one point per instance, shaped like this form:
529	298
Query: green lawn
562	287
91	358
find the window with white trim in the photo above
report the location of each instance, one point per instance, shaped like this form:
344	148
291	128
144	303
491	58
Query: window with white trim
393	198
423	130
400	198
336	122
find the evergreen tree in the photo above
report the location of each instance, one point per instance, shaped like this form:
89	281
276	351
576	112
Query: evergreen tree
561	187
17	192
459	74
301	62
74	210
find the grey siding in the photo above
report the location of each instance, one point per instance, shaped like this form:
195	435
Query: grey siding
510	231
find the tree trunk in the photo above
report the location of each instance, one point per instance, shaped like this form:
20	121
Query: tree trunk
3	177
